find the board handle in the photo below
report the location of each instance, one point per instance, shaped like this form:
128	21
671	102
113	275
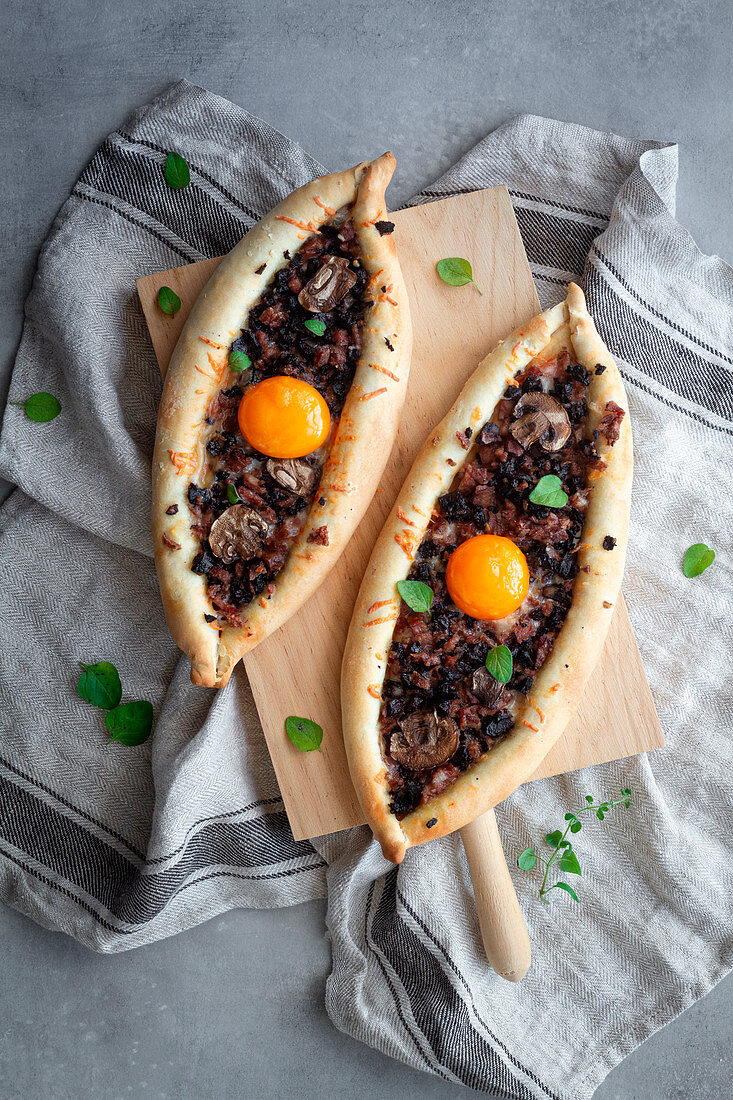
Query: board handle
503	931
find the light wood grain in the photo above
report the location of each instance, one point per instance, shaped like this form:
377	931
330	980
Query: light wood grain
503	931
296	671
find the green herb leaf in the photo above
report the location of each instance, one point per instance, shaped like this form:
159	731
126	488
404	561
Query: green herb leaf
575	827
569	863
304	734
456	271
168	300
697	558
40	407
177	172
589	797
239	361
568	889
553	839
499	663
417	596
232	494
549	492
527	860
131	723
100	685
315	326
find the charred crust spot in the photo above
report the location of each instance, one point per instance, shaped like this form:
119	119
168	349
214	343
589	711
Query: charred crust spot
322	501
209	618
260	269
609	542
390	346
171	510
170	543
383	228
600	367
429	824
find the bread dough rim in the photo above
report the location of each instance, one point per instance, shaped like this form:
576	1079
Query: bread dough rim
199	369
557	689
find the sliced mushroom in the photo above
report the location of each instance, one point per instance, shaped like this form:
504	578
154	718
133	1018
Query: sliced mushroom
543	420
329	285
294	474
485	687
237	533
424	741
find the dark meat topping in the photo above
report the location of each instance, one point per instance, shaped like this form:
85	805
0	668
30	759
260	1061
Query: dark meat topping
436	663
610	422
279	492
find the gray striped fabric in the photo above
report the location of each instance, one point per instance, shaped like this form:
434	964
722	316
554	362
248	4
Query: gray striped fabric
120	846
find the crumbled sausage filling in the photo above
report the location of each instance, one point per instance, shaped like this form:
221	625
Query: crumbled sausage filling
277	342
435	660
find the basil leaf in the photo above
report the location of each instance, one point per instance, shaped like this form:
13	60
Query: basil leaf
549	492
100	685
527	860
131	723
568	890
499	663
304	734
168	300
177	172
456	271
239	361
232	494
569	863
417	595
315	326
40	407
697	558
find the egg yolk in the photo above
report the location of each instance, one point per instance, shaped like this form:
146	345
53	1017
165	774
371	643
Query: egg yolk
284	417
487	577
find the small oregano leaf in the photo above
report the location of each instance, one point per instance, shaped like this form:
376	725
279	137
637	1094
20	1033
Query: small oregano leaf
455	271
239	361
527	860
177	172
100	685
575	827
315	326
549	492
232	494
568	889
417	595
499	663
40	407
553	839
168	301
569	863
304	734
131	723
697	558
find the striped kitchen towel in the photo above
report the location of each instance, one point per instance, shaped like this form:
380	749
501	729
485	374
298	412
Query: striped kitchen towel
121	848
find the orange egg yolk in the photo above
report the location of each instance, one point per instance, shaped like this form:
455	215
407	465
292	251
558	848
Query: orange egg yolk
284	417
487	577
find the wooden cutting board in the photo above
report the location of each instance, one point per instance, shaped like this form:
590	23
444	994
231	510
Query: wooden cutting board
296	670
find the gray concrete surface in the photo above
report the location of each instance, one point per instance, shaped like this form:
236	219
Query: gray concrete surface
235	1008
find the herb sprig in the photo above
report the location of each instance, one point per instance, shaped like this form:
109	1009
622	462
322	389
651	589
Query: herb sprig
563	856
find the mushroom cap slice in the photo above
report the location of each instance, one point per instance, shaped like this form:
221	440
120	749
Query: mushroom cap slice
423	740
543	420
237	533
332	282
487	689
294	474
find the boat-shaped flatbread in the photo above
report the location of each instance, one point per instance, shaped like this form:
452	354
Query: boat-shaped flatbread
511	530
278	413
